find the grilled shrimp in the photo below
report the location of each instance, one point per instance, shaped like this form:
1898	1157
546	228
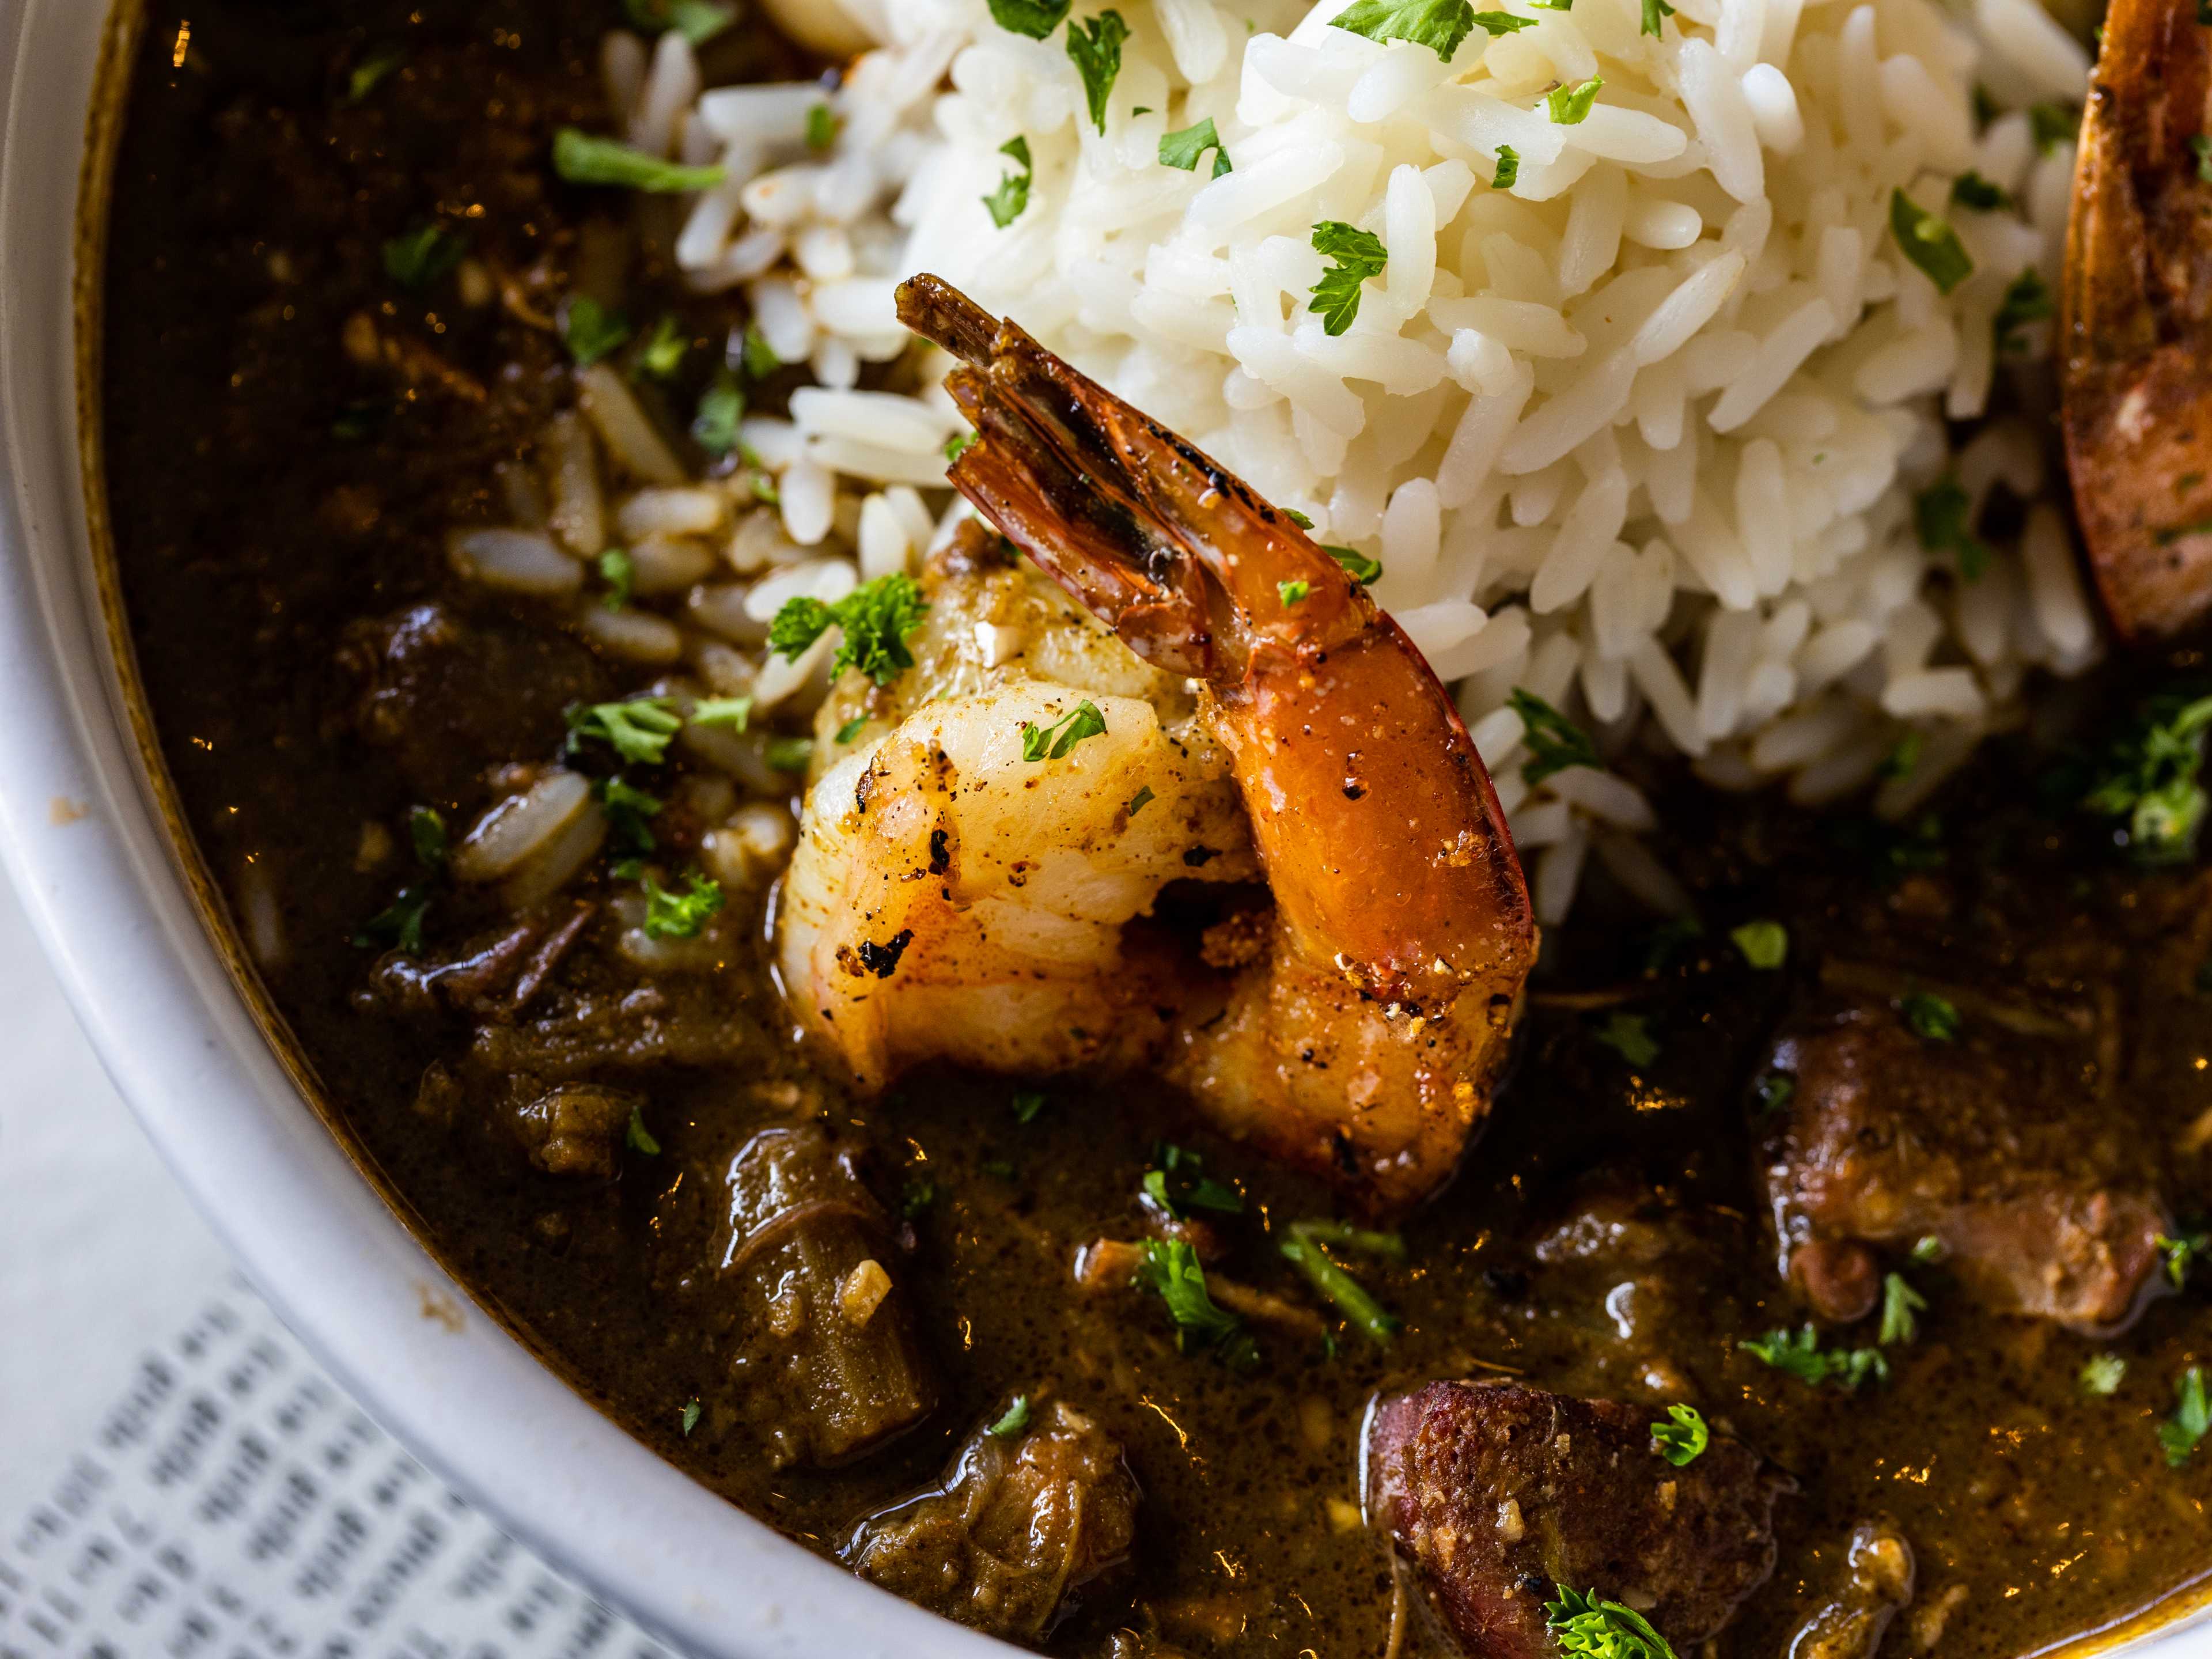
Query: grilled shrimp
2136	319
952	899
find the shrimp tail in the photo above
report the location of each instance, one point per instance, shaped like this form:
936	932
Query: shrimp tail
1389	857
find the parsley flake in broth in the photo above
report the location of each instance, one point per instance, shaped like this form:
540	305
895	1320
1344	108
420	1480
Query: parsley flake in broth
1682	1438
1171	1271
1588	1628
1802	1357
680	914
639	729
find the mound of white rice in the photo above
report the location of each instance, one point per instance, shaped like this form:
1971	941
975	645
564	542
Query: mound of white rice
1641	432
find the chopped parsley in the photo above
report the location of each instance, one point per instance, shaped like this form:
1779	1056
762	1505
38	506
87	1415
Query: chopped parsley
1904	759
1005	204
1182	149
958	445
690	1417
733	712
1570	106
2192	1420
2178	1253
1016	1419
1630	1036
1900	1307
789	754
400	924
1655	12
1439	25
638	729
1802	1357
424	257
1297	518
1764	945
680	915
1502	22
823	127
1302	1249
1357	565
1587	1628
1934	1017
1555	742
1509	168
2199	145
1942	516
916	1201
1095	48
582	158
757	355
1928	241
591	331
1140	801
721	406
1292	592
851	729
426	833
1928	1249
664	349
1178	1183
1036	18
697	20
370	72
1681	1440
629	810
2101	1375
1029	1105
1355	255
2027	300
1171	1271
2152	778
637	1137
2053	125
1040	742
1774	1092
875	619
619	572
1970	190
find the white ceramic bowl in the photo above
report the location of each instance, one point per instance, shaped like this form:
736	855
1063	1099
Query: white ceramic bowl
81	832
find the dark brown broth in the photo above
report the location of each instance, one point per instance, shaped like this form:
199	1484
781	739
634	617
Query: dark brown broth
248	538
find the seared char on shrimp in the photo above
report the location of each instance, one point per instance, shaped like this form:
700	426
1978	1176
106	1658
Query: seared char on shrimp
954	899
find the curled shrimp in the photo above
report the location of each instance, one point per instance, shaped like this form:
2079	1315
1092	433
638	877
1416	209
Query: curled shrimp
2136	319
1277	724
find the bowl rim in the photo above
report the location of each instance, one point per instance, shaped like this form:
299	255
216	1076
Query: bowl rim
129	925
82	834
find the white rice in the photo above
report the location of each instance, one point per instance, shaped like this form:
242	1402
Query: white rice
1640	433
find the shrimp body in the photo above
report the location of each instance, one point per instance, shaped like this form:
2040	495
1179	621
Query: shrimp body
949	901
1358	1027
2136	321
